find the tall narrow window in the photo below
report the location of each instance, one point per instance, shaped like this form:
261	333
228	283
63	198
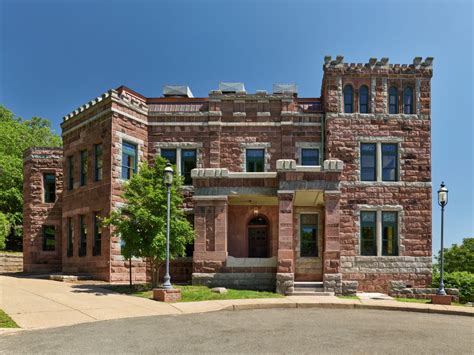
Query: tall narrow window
49	239
368	244
348	99
83	167
408	100
70	236
255	160
83	236
98	168
364	99
393	100
389	162
389	233
129	160
190	246
70	172
368	162
308	235
309	156
97	247
49	187
170	155
188	163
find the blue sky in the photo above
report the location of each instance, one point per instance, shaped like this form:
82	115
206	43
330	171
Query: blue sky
57	55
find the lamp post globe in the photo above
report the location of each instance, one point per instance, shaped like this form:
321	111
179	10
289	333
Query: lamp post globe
442	201
168	181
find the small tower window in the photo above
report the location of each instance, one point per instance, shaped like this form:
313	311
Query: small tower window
364	99
408	100
393	100
348	99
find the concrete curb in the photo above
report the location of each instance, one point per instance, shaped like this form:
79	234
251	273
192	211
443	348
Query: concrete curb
401	308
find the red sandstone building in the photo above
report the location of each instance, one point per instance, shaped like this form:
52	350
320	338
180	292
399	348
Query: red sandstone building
281	189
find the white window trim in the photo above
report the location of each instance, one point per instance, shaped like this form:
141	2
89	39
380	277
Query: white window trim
378	156
318	236
378	228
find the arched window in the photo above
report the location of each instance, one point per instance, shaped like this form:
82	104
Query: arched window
364	99
408	100
393	100
348	99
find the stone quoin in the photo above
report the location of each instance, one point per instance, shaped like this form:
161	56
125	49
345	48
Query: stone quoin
280	189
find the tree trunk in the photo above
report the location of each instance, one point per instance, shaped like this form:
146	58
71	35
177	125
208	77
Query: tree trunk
155	276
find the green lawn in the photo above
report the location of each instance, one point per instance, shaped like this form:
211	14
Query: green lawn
6	321
194	293
352	297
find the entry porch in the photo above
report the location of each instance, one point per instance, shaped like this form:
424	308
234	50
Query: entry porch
267	230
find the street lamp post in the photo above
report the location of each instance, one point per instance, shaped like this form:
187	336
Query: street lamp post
442	201
168	180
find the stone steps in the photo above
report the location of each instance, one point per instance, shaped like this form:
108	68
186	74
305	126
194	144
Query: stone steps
309	288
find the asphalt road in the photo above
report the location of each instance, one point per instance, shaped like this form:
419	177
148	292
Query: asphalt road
273	331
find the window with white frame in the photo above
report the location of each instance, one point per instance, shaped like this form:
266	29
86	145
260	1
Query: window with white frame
379	233
185	160
379	161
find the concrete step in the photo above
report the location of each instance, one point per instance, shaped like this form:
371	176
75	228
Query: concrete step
308	284
310	293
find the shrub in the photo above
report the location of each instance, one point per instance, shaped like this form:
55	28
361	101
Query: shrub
4	229
462	280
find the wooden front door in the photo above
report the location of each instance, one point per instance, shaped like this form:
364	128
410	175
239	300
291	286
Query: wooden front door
258	242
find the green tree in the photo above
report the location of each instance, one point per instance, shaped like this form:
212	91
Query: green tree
141	222
17	135
4	229
459	257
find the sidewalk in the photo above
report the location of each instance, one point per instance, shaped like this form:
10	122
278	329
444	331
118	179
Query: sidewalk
38	303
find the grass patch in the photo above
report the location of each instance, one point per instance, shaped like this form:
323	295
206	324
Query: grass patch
11	252
351	297
6	321
194	293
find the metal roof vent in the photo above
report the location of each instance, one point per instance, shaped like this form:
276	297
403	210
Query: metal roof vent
228	88
177	91
285	89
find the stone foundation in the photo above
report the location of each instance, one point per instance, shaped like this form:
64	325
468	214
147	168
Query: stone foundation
400	289
333	283
349	288
284	283
242	281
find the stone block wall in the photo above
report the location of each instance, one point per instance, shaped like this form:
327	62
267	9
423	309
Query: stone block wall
37	213
11	263
403	290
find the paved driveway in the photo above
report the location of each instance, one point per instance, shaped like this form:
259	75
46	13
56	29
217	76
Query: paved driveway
39	303
272	331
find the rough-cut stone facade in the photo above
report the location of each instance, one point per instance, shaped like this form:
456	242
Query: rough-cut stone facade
234	210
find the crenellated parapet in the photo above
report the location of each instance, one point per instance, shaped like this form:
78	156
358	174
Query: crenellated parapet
378	67
369	85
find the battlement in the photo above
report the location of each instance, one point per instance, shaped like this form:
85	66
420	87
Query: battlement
375	66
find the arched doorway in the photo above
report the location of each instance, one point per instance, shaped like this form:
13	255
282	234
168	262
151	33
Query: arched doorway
257	231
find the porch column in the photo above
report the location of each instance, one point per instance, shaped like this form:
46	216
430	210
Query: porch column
286	256
332	248
210	244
